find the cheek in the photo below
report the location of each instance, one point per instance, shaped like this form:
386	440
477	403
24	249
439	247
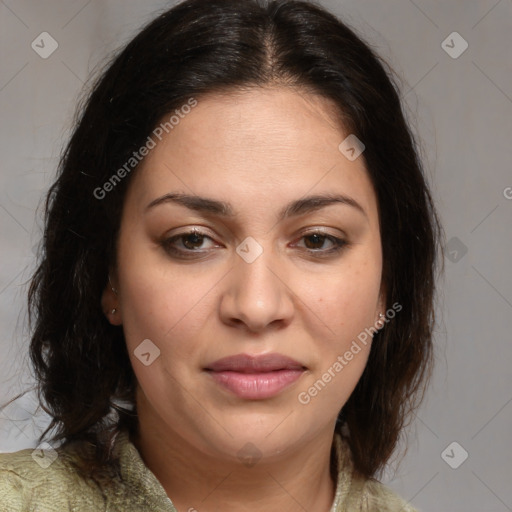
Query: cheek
170	314
159	304
346	299
346	304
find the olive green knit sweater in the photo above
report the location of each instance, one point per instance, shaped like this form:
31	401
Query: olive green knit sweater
34	481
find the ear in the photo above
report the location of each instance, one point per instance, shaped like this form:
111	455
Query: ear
380	322
110	301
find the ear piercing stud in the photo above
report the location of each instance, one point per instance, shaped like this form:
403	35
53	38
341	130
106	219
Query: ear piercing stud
113	312
112	286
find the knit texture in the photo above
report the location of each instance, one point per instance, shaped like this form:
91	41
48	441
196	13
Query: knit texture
26	485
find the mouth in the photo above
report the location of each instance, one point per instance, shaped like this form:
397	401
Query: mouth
255	377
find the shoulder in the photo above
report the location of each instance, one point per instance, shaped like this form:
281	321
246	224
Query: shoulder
377	497
355	492
45	479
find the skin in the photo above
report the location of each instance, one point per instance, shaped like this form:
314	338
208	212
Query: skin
258	150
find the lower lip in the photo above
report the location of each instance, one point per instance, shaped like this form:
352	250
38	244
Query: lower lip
256	386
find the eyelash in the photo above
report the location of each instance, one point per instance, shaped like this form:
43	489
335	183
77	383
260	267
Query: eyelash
339	244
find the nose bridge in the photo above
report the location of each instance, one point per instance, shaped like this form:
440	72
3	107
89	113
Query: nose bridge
257	293
254	271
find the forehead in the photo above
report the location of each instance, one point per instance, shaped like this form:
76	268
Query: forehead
254	148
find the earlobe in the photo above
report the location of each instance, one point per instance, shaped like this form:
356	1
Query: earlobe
110	304
380	320
114	317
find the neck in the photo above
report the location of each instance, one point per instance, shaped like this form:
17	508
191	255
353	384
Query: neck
300	478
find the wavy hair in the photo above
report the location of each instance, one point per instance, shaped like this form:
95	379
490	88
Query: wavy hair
198	47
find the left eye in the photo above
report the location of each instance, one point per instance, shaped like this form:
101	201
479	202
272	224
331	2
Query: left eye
319	239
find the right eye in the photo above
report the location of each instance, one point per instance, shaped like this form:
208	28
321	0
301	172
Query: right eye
189	241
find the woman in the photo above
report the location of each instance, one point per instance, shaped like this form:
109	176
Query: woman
235	305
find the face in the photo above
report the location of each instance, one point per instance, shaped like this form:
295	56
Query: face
279	275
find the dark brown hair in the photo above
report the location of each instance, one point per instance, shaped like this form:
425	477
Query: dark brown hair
198	47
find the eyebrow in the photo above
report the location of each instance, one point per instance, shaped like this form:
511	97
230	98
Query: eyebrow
224	209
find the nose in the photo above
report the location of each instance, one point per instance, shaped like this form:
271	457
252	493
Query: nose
257	295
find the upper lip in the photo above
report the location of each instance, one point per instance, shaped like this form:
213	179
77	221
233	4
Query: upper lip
246	363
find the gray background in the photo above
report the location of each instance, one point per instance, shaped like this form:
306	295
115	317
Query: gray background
462	110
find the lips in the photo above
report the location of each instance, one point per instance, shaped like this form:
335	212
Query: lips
244	363
255	377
